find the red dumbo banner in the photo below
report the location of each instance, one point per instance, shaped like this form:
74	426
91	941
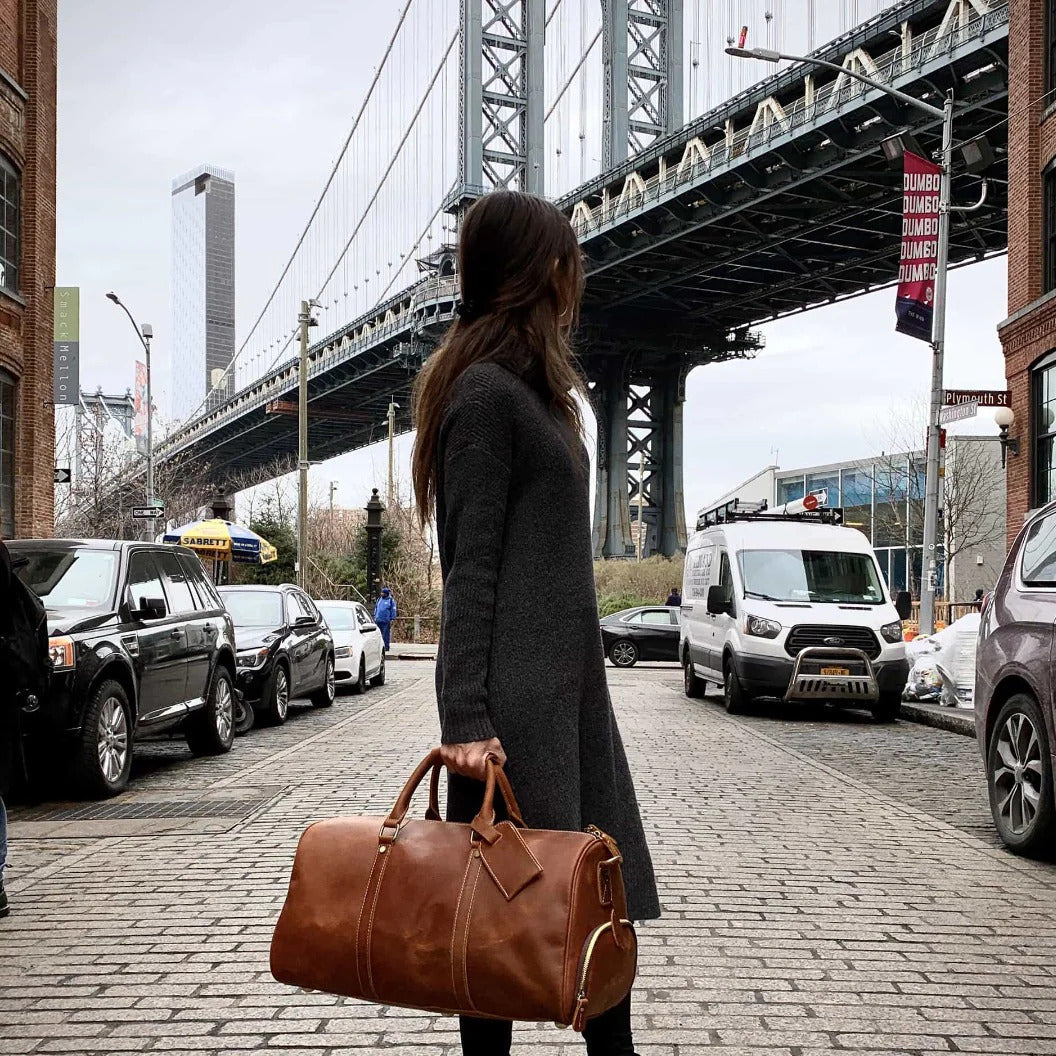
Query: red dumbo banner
915	303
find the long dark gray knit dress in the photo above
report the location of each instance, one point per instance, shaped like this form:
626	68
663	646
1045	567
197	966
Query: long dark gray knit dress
520	653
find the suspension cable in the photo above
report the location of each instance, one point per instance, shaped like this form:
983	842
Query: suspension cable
572	76
381	183
330	179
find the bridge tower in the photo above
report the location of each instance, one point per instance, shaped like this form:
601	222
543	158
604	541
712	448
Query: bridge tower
640	416
501	95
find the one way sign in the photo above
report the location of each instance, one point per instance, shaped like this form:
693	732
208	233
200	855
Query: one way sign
63	475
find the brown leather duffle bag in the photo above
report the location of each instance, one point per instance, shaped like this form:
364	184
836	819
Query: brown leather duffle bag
491	920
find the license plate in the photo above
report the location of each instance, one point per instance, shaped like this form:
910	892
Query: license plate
835	670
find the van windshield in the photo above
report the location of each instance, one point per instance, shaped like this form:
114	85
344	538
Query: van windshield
825	576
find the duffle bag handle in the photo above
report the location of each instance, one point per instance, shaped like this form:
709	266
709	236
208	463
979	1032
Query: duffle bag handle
432	764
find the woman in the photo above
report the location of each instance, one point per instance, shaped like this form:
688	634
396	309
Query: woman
499	455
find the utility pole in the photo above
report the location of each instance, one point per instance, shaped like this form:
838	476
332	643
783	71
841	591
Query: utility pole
393	407
305	319
333	488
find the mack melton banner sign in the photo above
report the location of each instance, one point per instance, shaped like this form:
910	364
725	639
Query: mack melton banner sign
66	338
915	302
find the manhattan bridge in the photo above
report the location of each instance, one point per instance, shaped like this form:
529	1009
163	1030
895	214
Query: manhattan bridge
706	201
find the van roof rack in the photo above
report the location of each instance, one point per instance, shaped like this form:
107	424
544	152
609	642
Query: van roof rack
736	510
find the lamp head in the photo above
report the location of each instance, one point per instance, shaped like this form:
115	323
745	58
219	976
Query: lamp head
147	330
1004	418
755	53
111	296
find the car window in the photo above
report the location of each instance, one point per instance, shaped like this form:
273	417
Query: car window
254	608
656	618
1039	553
203	590
725	576
178	591
339	617
69	577
365	619
676	617
144	579
294	609
309	606
635	617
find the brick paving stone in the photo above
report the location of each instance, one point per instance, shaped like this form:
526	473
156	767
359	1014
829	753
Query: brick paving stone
829	885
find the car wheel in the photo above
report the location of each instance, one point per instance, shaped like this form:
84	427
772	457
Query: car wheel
695	687
103	760
360	685
324	696
888	707
245	716
278	705
624	653
1019	778
211	730
379	678
734	696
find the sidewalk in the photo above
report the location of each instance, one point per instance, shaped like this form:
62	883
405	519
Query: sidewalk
412	651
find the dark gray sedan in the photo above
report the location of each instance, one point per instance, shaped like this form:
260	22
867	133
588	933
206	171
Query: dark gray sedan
649	632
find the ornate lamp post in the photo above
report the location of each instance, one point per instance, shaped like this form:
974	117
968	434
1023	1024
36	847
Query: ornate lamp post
374	530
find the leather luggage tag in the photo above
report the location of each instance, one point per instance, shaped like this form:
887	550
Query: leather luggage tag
509	861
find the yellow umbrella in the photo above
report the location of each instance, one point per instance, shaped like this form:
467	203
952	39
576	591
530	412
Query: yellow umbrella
224	541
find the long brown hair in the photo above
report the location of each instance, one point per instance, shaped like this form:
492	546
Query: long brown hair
521	279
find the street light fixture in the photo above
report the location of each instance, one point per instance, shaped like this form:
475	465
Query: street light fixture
938	324
145	333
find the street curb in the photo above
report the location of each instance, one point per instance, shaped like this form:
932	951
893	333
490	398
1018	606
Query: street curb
411	656
951	719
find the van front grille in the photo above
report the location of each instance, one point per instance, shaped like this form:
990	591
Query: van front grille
803	637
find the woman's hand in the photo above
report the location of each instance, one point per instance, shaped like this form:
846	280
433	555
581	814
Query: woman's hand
469	759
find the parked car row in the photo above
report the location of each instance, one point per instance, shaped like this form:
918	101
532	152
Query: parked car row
142	642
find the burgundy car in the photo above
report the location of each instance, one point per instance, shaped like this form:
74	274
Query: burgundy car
1014	689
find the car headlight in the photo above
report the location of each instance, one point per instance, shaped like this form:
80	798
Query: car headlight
253	657
760	628
343	651
892	632
60	650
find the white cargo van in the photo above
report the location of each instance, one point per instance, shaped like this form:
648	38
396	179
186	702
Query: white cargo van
789	605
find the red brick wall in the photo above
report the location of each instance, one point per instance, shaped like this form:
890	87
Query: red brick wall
27	137
9	38
1031	145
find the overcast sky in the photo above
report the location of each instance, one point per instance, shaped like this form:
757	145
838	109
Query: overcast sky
149	89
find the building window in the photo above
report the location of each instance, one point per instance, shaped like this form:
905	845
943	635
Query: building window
1048	276
9	199
7	455
1045	432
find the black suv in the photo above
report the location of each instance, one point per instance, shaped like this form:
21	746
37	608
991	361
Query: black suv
285	648
140	643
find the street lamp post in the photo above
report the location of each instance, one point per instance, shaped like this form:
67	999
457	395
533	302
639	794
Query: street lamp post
938	324
145	333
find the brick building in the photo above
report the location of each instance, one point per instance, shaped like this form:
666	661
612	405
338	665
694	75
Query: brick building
1028	335
27	264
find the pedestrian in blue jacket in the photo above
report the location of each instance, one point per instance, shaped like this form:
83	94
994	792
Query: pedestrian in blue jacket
384	614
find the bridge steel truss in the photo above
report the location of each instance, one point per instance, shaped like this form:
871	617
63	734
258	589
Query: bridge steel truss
777	201
501	96
643	74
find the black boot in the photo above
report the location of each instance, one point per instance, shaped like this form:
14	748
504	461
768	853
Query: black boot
4	907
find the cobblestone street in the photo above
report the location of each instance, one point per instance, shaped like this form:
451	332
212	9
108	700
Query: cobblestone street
829	885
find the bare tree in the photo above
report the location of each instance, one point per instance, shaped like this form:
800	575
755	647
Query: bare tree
972	477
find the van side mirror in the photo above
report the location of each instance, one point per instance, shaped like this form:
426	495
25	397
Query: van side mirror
904	604
718	601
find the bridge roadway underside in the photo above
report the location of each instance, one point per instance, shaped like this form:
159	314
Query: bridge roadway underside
679	278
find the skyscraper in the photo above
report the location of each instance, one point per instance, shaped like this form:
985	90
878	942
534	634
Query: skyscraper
203	287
